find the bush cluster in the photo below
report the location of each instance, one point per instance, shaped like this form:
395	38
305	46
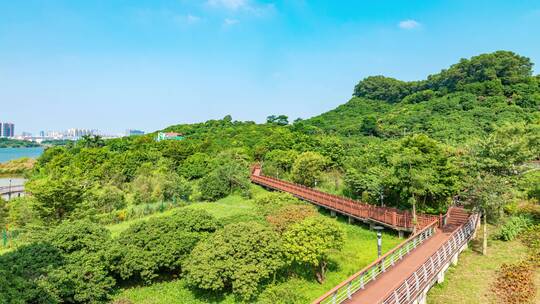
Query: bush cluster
79	262
160	244
514	226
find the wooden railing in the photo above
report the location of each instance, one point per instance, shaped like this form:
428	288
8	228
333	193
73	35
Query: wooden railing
397	219
358	281
423	277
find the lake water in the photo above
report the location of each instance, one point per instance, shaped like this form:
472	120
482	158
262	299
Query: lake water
7	154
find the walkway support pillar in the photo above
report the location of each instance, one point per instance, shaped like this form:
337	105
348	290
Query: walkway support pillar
332	213
455	259
440	277
401	234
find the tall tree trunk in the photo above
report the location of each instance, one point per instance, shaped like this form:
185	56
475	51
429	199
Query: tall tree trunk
484	242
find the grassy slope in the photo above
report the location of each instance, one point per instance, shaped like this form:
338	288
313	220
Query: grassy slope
469	281
360	250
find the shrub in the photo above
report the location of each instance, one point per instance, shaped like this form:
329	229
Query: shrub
309	243
152	187
213	187
76	236
160	244
513	226
307	168
271	202
22	271
281	294
239	257
531	239
289	215
85	277
69	265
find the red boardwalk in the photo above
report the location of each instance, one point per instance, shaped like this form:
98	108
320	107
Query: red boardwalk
405	274
390	217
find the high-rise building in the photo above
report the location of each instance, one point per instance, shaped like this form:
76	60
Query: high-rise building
41	133
8	129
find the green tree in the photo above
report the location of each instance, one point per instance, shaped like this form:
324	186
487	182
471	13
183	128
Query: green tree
240	257
159	245
91	141
279	162
56	197
505	151
84	275
310	242
488	194
196	166
307	168
280	120
382	88
289	215
369	126
22	273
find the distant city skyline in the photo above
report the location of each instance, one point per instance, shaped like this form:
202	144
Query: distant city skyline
147	65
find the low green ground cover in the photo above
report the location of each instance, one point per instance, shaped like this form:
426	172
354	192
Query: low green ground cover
470	281
360	249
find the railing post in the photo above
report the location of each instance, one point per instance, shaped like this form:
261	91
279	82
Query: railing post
396	298
407	290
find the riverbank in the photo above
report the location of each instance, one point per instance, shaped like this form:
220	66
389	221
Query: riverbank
17	167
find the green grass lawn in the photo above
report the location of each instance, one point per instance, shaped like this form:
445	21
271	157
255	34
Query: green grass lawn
360	249
229	206
470	280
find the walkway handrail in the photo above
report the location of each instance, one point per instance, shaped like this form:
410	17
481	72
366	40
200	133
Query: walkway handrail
12	188
357	281
386	215
410	288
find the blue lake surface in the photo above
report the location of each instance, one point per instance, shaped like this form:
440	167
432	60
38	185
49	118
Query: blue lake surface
7	154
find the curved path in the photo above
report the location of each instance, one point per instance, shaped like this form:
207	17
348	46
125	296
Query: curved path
406	273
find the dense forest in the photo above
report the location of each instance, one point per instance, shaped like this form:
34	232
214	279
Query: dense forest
469	135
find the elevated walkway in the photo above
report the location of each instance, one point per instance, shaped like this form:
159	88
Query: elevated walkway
390	217
406	273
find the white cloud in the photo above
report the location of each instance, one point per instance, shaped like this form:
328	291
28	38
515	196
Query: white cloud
228	4
192	19
230	21
408	24
251	7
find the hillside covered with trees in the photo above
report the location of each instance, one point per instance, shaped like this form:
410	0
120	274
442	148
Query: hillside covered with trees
469	134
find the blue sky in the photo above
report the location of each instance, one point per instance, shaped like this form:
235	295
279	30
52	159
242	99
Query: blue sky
117	64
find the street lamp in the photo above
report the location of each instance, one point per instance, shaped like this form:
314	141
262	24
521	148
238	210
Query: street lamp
9	193
379	240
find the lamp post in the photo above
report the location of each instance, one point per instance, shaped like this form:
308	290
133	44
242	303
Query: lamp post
9	193
379	240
